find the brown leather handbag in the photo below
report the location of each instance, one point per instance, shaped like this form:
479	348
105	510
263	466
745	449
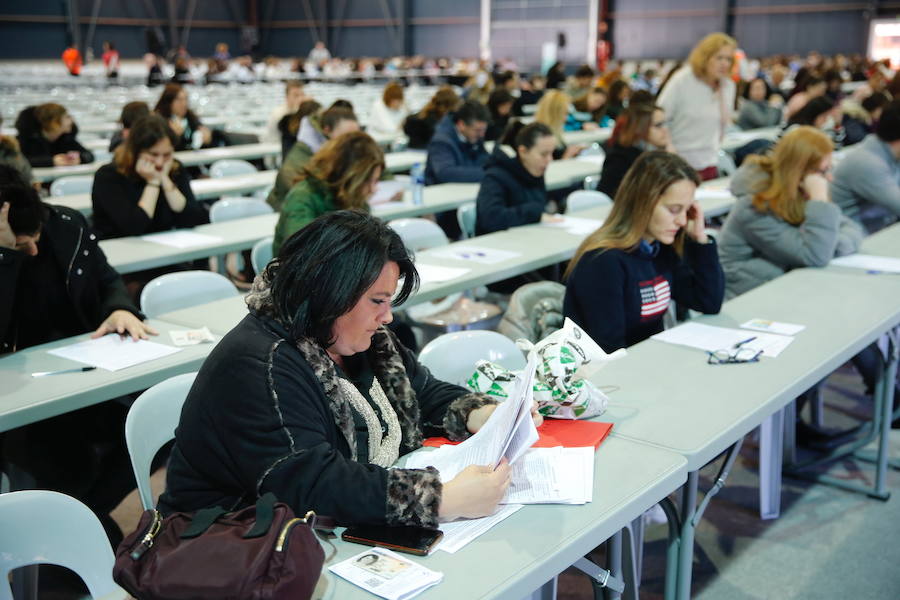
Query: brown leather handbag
261	552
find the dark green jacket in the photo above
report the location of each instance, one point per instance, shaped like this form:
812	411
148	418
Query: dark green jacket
290	171
306	201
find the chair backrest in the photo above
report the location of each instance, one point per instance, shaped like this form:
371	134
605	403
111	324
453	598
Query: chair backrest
582	199
175	291
231	166
419	234
263	193
725	164
44	527
591	182
452	356
535	311
150	424
261	254
74	184
465	215
228	209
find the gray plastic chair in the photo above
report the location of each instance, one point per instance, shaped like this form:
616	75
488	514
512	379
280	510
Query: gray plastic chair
261	254
74	184
452	356
419	234
725	164
150	424
42	527
231	166
175	291
465	216
228	209
582	199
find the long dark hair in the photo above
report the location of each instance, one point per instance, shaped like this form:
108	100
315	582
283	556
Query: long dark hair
144	134
164	104
324	269
811	111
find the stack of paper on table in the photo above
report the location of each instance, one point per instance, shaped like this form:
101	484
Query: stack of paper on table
113	352
458	534
385	191
181	239
479	254
387	574
576	225
711	339
884	264
539	475
437	274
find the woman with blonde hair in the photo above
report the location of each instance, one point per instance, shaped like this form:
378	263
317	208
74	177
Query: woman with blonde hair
389	111
784	217
341	175
699	100
651	249
553	111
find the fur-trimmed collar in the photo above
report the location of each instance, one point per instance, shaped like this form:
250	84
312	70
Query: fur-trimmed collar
384	358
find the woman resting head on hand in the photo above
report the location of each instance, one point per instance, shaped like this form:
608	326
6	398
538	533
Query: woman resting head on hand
311	396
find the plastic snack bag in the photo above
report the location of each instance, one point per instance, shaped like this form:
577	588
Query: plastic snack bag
566	359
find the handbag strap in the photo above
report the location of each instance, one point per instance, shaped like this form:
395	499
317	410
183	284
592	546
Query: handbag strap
203	519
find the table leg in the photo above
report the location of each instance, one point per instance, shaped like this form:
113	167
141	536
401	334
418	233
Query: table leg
789	452
614	562
888	378
771	438
691	513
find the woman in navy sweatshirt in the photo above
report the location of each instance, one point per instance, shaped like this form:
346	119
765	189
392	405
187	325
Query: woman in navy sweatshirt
512	192
651	249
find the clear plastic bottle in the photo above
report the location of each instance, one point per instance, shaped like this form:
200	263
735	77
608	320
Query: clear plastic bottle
417	183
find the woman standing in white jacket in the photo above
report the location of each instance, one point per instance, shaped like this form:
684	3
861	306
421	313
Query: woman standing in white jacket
699	101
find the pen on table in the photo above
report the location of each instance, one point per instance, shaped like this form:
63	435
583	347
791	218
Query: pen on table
747	341
61	371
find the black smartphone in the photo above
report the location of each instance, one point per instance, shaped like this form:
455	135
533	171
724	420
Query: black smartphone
412	540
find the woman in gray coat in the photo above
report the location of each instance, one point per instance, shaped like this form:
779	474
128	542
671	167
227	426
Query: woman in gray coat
783	217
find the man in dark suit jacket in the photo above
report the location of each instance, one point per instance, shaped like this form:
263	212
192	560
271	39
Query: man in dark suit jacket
456	154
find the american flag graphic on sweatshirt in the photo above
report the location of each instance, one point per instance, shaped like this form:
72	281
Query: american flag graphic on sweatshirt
655	296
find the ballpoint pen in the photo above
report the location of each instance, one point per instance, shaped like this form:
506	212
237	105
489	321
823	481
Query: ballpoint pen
61	371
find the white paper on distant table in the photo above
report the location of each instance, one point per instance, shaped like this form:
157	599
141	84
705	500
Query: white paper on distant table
710	338
386	574
437	274
597	159
181	239
576	225
711	193
112	352
778	327
385	191
870	262
458	534
479	254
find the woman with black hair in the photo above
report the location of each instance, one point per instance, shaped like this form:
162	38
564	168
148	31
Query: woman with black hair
190	133
513	192
760	108
823	114
499	104
312	398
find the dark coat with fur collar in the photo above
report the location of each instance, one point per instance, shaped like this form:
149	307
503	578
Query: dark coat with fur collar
265	414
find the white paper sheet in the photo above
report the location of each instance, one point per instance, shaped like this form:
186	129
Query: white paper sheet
181	238
508	433
553	476
576	225
386	574
710	338
437	274
112	353
478	254
883	264
458	534
711	194
385	191
778	327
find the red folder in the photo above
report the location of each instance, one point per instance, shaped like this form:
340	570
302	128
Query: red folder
557	432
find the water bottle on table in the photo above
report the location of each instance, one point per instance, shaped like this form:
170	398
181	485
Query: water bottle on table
417	183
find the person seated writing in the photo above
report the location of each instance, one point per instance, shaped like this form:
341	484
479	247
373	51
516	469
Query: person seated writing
651	249
55	282
312	398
